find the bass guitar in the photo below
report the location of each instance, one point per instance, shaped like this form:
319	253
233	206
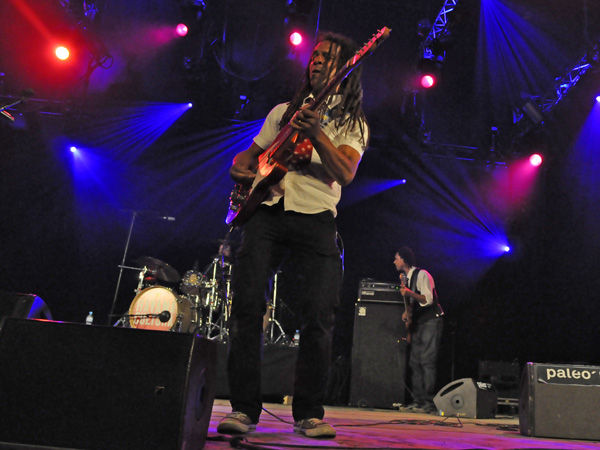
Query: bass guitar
407	309
274	161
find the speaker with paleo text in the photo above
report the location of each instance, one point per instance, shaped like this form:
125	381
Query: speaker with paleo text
68	385
467	398
560	401
378	368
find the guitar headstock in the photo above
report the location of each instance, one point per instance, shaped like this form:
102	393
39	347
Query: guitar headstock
403	279
373	43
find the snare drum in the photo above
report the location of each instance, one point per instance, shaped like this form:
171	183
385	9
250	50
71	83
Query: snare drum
152	301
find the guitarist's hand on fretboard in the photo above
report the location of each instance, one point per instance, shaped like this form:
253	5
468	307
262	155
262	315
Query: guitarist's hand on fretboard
308	122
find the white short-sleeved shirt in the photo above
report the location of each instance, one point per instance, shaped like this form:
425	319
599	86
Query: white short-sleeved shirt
308	190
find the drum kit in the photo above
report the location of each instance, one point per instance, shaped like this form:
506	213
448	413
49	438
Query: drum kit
201	304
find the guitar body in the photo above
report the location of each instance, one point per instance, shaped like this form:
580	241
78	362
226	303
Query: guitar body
272	165
257	195
274	162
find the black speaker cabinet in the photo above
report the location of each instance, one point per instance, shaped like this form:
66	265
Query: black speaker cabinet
67	385
23	306
378	368
560	401
467	398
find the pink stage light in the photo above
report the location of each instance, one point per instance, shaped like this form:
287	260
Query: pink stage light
535	160
181	30
295	38
427	81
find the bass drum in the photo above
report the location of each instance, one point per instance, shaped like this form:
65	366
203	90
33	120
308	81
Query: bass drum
155	300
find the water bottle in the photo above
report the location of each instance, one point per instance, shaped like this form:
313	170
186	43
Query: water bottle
297	338
90	318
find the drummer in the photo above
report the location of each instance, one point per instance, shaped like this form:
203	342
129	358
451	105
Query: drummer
225	253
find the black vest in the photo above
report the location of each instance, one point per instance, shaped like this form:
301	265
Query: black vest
421	314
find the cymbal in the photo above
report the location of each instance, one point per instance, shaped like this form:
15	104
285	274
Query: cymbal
162	270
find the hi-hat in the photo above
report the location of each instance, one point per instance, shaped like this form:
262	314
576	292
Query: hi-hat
161	269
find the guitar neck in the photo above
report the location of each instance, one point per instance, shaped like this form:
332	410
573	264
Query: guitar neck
350	65
331	87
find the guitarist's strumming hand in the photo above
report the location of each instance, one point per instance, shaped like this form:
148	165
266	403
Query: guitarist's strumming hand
243	169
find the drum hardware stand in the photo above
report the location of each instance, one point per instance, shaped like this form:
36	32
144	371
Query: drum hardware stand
272	320
123	318
122	266
213	294
222	323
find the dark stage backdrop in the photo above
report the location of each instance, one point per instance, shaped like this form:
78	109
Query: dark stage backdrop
64	222
64	244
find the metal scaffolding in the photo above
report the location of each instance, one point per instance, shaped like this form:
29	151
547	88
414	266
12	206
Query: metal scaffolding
438	31
537	107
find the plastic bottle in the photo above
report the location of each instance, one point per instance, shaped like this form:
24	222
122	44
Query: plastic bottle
90	318
297	338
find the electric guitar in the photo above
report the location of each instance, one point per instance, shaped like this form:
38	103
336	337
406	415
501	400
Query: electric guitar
273	163
407	309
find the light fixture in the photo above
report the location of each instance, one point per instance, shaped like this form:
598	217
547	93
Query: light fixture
62	52
181	29
535	160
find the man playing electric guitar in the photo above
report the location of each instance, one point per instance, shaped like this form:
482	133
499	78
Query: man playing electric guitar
296	218
425	330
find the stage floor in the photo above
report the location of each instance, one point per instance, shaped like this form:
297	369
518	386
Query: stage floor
383	429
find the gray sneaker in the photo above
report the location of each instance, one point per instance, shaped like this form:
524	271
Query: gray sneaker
413	407
236	423
314	428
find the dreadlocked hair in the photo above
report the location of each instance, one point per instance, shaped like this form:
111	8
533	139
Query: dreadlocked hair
349	112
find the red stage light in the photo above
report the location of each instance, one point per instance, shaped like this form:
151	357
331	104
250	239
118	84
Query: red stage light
427	81
535	160
62	52
181	30
295	38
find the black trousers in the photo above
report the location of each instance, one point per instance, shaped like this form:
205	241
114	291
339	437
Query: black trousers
425	346
270	236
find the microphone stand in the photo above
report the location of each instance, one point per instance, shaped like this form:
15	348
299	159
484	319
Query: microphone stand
114	302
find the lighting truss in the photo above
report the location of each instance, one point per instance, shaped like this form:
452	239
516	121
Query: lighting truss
564	84
438	30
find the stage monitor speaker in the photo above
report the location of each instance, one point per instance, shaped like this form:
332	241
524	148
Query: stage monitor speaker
67	385
560	401
378	367
467	398
23	306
